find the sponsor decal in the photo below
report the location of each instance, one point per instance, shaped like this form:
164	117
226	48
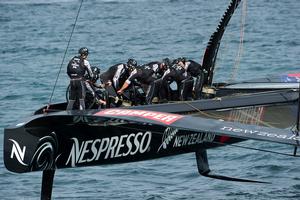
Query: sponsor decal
165	118
109	147
170	135
294	75
45	154
293	78
194	138
260	133
18	152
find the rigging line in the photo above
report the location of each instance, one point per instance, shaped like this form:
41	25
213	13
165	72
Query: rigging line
241	44
255	118
64	54
252	148
202	112
242	112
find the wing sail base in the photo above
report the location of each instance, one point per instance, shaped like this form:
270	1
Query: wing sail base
203	169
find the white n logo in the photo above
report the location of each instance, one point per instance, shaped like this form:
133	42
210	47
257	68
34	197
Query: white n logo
18	152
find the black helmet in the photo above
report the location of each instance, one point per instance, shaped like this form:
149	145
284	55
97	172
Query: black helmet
166	61
131	63
83	51
175	61
96	72
182	59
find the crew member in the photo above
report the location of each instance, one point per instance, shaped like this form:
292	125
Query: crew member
154	91
195	70
183	80
118	73
146	75
96	89
159	67
76	70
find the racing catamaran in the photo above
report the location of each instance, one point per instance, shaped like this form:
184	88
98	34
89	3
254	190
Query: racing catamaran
57	139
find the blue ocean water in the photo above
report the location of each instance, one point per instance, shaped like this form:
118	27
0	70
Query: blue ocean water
33	39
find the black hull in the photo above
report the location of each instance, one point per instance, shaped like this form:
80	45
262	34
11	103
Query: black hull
73	139
64	142
58	139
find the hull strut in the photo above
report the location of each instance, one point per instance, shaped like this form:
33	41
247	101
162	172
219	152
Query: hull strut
47	184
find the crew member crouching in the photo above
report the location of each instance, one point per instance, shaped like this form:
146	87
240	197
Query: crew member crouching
184	81
146	75
195	70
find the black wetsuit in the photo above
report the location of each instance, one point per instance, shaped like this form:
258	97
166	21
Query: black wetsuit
195	70
181	77
76	70
146	75
116	74
155	86
155	66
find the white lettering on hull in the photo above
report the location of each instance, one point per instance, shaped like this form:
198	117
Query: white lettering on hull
179	140
166	118
192	139
108	148
261	133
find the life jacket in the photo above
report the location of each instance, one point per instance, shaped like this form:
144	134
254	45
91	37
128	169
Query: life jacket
76	68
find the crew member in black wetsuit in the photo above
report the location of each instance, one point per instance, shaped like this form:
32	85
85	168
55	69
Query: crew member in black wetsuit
184	81
159	67
96	89
76	70
116	75
146	75
194	69
154	90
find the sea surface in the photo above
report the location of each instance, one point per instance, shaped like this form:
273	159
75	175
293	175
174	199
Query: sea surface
34	36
